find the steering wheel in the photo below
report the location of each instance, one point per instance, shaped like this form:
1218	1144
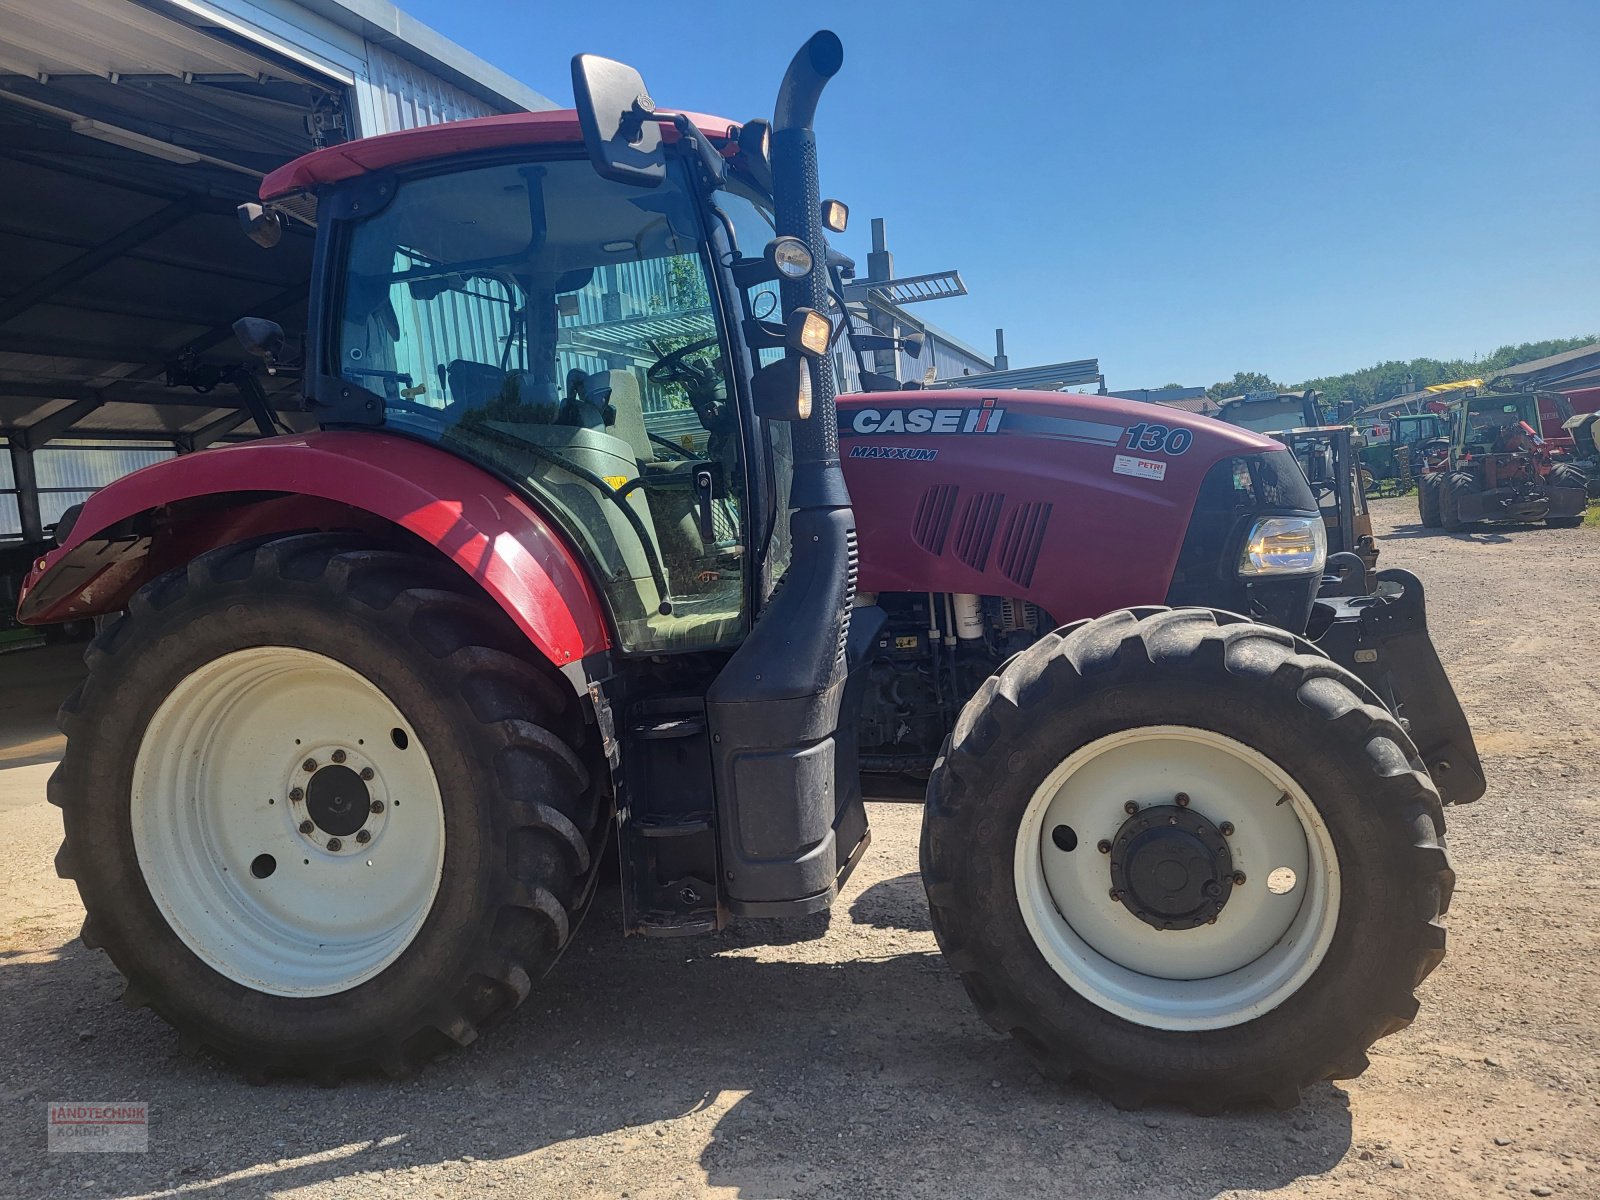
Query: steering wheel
674	367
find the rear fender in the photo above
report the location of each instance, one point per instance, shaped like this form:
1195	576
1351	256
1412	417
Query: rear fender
163	516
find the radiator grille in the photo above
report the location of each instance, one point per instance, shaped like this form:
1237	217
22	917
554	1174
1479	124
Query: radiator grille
1021	541
975	528
931	523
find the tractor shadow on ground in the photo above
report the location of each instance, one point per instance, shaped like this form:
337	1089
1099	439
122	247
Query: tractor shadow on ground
1488	535
725	1062
898	903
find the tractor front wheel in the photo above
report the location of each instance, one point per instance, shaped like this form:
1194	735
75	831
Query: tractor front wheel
1185	858
323	812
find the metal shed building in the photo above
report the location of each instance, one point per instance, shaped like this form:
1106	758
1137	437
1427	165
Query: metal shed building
129	132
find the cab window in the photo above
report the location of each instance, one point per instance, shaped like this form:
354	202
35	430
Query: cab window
559	328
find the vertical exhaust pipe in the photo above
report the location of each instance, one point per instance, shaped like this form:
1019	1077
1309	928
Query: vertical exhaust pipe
783	779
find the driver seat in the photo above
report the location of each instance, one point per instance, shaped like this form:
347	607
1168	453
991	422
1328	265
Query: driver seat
621	388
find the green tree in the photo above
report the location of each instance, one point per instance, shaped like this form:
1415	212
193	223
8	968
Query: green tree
1242	382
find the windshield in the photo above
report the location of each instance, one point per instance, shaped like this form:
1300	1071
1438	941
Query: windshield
560	329
1265	416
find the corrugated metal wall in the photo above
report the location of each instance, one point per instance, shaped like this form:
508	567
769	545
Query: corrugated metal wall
401	95
69	473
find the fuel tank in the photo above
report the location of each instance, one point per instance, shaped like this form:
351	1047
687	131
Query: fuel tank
1076	503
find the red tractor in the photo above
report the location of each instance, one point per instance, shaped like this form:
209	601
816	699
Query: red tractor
572	557
1497	467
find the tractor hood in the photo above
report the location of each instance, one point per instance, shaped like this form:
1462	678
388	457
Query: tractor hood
1080	504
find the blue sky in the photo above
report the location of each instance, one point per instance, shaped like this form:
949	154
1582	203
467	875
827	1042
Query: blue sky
1182	190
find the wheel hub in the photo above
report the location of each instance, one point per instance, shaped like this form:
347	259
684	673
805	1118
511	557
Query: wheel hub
1171	868
338	801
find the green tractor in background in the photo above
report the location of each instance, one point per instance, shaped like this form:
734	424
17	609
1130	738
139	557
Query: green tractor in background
1395	445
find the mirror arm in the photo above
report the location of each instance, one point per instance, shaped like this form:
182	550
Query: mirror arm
847	326
713	167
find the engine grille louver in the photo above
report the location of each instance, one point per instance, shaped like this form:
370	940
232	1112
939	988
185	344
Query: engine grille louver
930	525
1021	541
853	557
976	526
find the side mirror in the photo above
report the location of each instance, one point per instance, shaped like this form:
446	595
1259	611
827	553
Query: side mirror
259	336
911	343
261	224
617	117
755	151
782	390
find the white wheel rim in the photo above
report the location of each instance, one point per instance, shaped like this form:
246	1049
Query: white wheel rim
213	806
1266	941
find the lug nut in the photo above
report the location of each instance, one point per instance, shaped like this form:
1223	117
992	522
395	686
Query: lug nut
1226	829
366	772
1103	846
363	836
1116	895
335	845
308	826
1181	799
310	764
338	756
1238	878
1130	807
296	795
377	806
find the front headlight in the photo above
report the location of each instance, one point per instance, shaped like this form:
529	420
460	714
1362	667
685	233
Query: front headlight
1284	546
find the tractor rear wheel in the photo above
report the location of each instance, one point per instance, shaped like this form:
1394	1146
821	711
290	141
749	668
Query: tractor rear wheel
1185	858
323	813
1565	475
1428	501
1454	486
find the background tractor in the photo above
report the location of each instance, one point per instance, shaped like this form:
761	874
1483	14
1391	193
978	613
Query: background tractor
1391	453
1498	468
338	784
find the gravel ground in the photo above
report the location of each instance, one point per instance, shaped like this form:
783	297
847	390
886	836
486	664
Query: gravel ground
848	1062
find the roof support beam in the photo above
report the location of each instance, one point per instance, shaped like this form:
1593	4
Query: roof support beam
49	428
188	443
92	260
27	483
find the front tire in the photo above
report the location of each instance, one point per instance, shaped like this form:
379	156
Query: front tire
1249	756
323	812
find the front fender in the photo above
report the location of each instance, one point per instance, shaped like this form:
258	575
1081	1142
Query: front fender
166	514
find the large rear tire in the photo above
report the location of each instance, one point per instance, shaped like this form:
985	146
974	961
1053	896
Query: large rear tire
323	811
1185	858
1451	488
1566	475
1428	501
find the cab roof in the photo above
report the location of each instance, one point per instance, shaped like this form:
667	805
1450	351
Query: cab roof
387	150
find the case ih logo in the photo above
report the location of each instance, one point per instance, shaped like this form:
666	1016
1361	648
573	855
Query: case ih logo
929	420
